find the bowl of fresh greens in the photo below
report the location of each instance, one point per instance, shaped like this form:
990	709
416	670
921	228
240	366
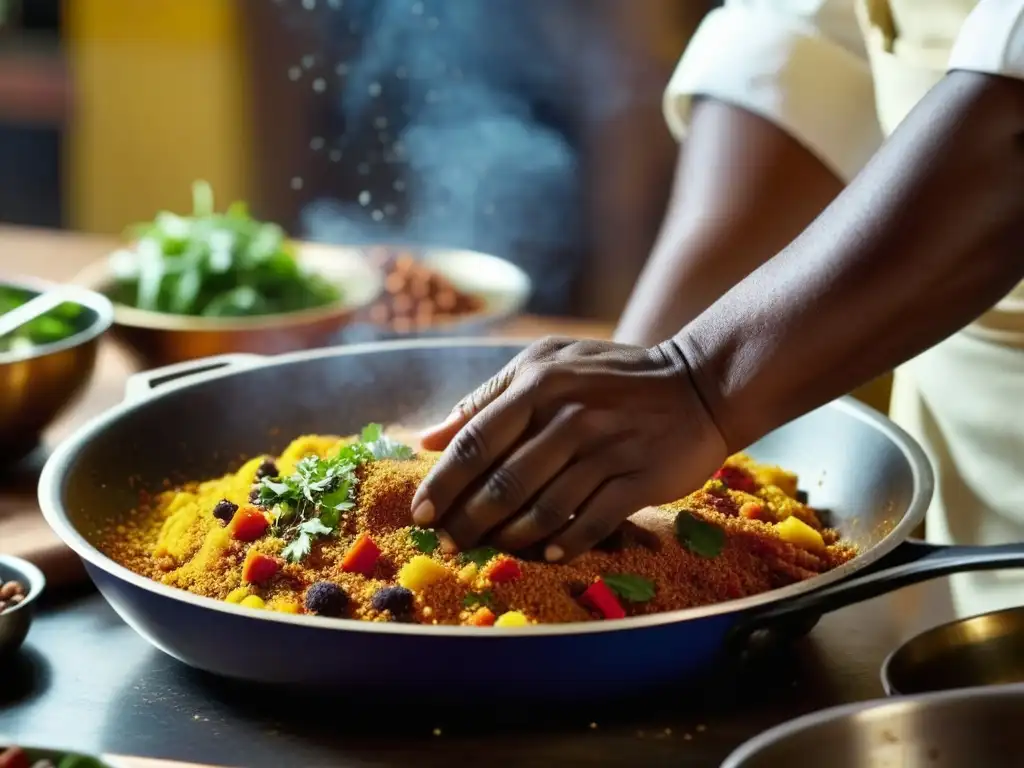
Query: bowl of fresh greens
211	283
33	757
45	363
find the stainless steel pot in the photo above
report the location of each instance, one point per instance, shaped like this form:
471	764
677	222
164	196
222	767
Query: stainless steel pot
971	728
195	421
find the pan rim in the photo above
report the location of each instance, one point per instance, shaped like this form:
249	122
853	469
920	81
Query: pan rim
49	492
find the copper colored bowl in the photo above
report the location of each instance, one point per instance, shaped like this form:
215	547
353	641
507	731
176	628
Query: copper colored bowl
157	339
38	383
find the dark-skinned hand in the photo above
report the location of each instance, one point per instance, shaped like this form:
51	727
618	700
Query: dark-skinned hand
562	445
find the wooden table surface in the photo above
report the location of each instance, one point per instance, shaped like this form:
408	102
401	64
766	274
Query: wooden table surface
83	668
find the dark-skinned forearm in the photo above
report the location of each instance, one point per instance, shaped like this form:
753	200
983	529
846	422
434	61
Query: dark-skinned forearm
744	189
926	239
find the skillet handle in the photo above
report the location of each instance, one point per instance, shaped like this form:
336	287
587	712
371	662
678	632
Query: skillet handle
141	385
911	562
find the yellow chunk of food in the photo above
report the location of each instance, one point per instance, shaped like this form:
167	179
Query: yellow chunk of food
283	605
237	595
800	534
420	572
468	573
512	619
306	445
253	601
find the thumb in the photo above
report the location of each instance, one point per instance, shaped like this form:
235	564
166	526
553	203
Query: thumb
436	438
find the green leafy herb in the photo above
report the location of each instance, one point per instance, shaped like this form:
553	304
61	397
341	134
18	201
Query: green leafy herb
424	540
55	325
215	265
474	599
79	761
310	502
479	556
382	446
699	536
634	589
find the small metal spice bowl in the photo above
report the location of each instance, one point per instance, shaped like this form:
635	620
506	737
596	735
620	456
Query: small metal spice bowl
15	620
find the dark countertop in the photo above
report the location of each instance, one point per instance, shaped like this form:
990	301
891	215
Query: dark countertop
86	680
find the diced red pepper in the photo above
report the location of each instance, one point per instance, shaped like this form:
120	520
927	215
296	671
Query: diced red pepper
737	479
599	597
504	570
482	617
362	556
13	757
753	510
258	567
248	524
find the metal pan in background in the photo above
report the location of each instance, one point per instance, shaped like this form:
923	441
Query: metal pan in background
982	650
198	420
972	728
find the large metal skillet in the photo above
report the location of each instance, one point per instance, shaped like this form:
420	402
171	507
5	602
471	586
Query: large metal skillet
199	420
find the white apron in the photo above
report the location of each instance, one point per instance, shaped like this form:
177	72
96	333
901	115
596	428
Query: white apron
963	400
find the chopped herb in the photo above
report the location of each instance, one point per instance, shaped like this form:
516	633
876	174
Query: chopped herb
424	540
474	599
382	446
310	502
629	587
479	556
699	536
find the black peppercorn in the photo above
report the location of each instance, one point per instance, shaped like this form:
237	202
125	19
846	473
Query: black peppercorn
224	511
326	599
397	600
267	469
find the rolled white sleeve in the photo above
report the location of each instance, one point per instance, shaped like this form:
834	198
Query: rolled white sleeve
797	63
992	39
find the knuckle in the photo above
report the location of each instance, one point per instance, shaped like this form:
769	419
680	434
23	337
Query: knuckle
504	488
468	447
548	515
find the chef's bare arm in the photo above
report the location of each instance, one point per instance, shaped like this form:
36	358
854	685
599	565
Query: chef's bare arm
774	107
925	239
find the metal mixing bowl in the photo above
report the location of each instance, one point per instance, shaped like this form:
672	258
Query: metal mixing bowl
156	339
14	622
970	728
36	384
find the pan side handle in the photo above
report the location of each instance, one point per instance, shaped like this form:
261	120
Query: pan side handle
912	562
141	385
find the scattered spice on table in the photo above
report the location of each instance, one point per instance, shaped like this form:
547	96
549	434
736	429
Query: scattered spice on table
327	531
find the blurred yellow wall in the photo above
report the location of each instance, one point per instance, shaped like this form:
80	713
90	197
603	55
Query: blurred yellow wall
160	101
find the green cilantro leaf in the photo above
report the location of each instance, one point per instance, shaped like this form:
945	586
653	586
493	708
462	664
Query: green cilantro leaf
298	547
632	588
480	556
474	599
382	446
699	536
424	540
315	527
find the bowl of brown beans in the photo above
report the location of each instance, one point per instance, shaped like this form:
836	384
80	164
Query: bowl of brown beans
21	583
440	291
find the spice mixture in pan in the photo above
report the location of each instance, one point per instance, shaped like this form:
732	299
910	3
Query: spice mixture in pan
324	529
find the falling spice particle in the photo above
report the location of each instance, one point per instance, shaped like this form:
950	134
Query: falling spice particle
701	728
593	726
437	731
668	731
687	736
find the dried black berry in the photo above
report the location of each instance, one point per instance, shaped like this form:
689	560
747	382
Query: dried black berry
254	495
266	469
225	510
398	600
801	496
326	599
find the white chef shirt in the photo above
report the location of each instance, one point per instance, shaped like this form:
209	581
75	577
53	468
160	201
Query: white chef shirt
802	65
